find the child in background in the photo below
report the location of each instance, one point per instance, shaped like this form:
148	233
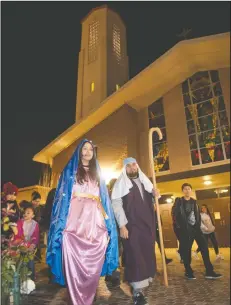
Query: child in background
28	229
35	204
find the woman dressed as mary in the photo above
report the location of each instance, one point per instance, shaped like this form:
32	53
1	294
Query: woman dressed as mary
82	240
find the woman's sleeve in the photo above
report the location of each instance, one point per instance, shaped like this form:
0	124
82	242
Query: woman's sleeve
117	205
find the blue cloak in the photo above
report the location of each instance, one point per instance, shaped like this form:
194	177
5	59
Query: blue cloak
59	218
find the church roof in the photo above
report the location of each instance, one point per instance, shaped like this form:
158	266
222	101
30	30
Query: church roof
182	61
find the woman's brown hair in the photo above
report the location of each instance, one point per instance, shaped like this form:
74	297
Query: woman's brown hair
208	212
82	175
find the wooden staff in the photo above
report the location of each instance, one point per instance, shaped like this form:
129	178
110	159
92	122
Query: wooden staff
156	200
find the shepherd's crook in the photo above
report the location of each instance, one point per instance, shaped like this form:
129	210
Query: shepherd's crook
156	200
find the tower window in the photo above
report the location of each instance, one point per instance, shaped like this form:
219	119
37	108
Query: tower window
117	87
92	86
93	41
116	42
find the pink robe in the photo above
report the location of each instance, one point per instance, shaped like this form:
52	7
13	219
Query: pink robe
84	245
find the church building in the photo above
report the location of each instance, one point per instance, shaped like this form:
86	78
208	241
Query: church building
185	92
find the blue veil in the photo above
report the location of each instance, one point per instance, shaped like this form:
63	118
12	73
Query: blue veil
59	218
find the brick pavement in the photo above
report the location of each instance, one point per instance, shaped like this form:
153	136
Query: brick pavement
179	292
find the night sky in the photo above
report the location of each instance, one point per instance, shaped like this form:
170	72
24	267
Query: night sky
40	46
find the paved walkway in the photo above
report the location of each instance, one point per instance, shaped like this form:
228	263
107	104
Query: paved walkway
179	292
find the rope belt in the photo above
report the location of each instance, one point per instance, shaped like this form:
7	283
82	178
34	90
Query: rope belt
95	198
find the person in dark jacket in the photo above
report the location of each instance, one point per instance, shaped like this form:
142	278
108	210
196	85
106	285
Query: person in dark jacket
186	217
46	215
177	232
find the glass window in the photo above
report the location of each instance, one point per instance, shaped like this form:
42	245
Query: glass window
199	80
193	142
160	147
187	99
202	94
217	89
156	137
205	108
93	41
185	87
207	137
214	76
92	86
223	118
191	127
117	87
158	121
116	41
207	121
156	109
221	103
195	157
211	153
227	148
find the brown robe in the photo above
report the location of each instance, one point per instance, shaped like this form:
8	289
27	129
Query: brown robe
140	259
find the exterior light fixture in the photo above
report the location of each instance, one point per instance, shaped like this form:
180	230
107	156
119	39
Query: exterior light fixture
207	182
224	191
92	86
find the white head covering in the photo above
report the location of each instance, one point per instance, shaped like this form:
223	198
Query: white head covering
123	184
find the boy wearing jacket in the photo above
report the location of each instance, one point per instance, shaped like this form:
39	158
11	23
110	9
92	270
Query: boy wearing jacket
186	217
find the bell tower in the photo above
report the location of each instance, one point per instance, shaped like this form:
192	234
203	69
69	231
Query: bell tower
103	60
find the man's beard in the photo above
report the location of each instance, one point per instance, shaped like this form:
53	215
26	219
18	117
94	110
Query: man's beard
133	175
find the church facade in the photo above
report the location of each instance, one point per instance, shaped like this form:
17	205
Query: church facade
186	93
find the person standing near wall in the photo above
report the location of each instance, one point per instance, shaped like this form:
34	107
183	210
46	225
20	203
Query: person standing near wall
208	229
